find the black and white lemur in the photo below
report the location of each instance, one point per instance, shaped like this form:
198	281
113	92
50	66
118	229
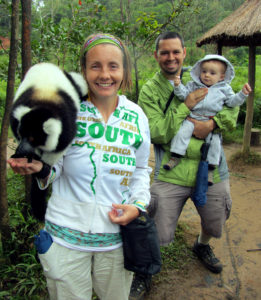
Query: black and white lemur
43	119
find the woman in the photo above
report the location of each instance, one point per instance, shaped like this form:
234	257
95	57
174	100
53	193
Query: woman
101	182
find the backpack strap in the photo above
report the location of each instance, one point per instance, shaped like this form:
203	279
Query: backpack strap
172	93
168	102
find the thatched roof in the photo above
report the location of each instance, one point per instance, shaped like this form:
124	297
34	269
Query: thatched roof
241	28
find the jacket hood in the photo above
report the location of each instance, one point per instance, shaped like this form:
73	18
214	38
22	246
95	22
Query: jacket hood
195	71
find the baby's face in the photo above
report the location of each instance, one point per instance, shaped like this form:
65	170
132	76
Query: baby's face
212	72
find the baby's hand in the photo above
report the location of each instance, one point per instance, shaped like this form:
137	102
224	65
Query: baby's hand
177	80
246	89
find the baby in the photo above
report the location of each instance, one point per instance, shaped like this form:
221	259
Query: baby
214	72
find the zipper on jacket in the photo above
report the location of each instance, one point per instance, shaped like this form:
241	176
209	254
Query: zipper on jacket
97	183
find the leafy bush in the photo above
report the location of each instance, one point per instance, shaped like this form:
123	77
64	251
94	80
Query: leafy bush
2	97
238	56
235	136
21	274
4	59
240	79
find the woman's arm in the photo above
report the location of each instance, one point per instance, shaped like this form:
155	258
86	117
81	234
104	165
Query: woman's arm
139	184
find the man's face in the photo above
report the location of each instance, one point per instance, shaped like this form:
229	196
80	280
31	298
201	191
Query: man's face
170	56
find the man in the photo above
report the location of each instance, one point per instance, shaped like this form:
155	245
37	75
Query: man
171	189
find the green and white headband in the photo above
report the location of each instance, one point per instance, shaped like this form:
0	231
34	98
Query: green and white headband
101	39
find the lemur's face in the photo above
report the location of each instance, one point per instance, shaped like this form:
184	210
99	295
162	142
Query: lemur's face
31	128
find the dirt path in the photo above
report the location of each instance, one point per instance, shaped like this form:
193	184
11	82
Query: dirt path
241	277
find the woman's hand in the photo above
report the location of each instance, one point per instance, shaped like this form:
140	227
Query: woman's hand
22	167
202	128
194	97
123	214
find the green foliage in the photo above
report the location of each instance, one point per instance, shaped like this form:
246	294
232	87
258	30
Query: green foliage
235	136
21	275
5	17
23	280
238	56
202	16
241	77
193	54
178	253
147	66
58	39
4	60
2	97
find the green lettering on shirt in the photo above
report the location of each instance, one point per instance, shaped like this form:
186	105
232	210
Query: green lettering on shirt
96	130
81	129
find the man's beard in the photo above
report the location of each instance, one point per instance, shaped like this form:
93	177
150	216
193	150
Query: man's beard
170	72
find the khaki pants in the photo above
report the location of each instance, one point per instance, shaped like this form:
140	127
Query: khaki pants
167	201
72	274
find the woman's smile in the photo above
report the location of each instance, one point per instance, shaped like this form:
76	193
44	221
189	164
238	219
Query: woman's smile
104	71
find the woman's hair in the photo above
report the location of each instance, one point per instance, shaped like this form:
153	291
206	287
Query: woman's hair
101	38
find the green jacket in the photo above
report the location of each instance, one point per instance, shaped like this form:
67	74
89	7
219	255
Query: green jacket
153	98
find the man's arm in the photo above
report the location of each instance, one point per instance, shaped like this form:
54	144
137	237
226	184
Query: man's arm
164	127
225	120
202	128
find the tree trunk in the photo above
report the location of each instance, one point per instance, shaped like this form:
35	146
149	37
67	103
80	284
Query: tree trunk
250	101
26	64
122	11
4	215
135	60
26	36
219	48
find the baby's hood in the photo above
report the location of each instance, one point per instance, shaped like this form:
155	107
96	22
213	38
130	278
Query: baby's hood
195	71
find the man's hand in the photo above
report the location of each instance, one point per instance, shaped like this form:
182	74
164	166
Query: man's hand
202	128
194	97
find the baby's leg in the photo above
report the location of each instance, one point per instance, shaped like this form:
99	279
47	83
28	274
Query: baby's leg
180	141
173	162
179	144
214	154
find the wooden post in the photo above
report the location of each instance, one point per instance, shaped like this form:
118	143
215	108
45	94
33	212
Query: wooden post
250	100
219	48
255	137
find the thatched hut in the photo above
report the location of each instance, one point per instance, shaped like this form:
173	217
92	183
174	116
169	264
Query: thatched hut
241	28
